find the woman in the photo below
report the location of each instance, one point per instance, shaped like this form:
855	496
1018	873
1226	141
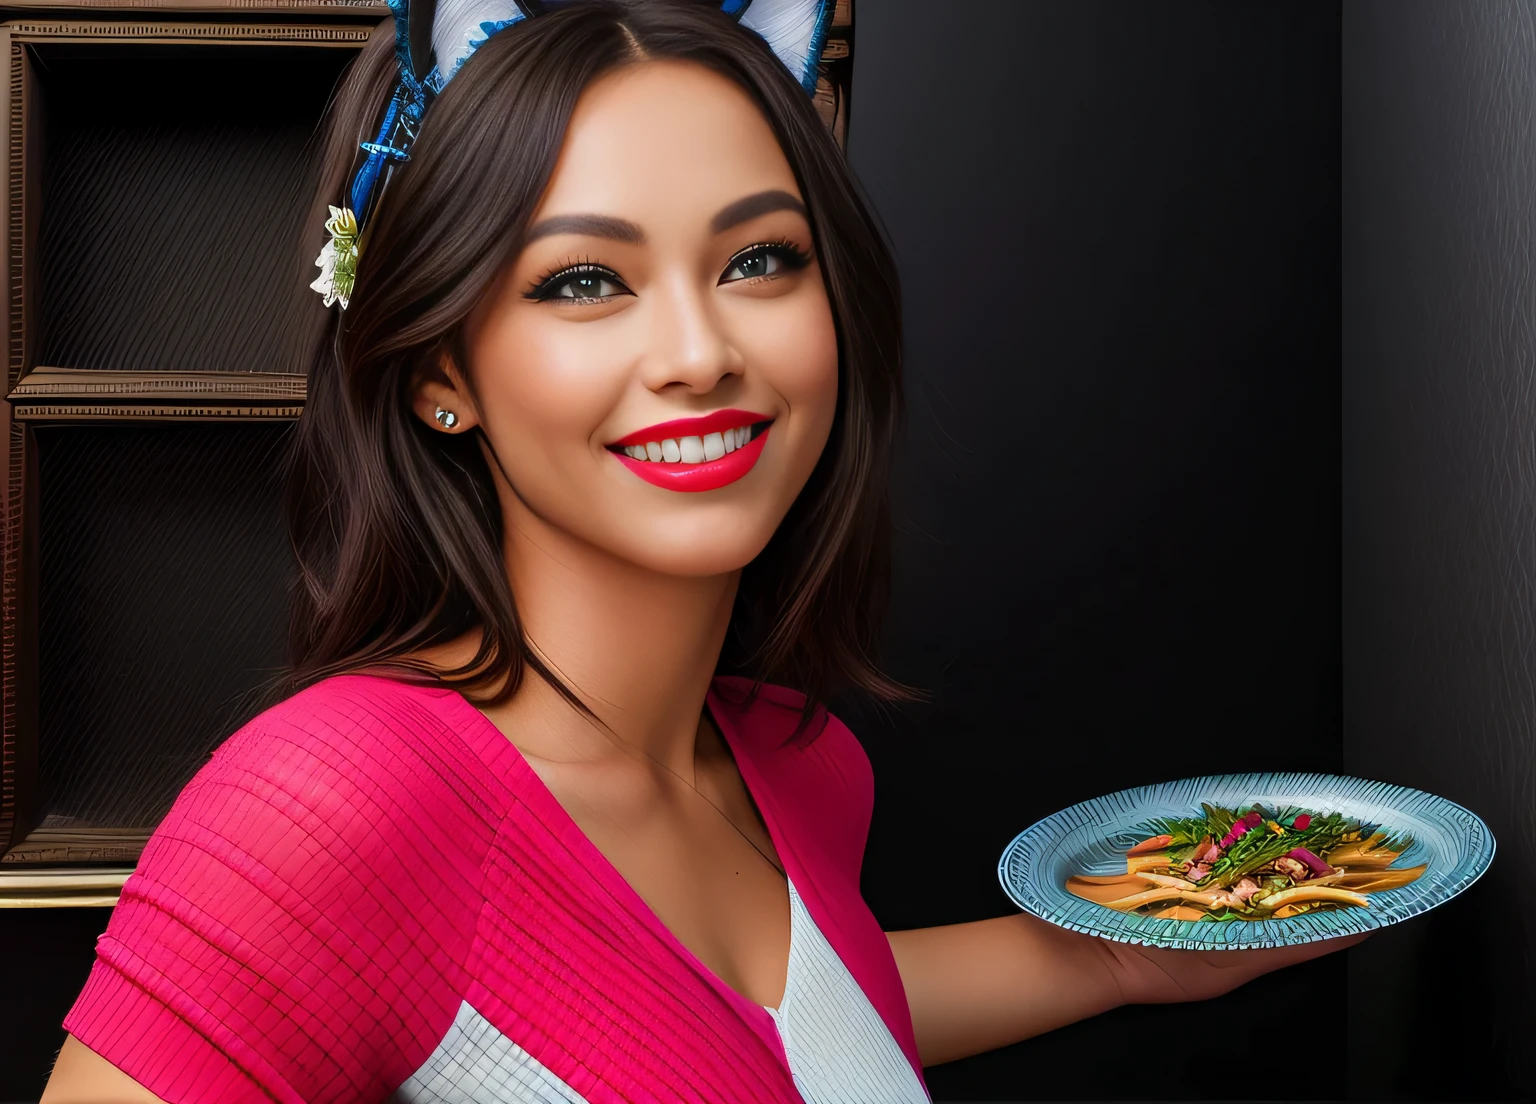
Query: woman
612	400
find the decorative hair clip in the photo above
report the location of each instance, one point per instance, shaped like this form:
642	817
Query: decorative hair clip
448	32
338	260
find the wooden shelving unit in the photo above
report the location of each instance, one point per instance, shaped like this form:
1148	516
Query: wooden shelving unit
152	261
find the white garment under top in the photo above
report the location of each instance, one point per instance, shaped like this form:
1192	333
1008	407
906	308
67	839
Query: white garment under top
839	1049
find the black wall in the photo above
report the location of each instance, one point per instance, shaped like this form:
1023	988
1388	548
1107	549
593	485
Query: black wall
1119	229
1439	484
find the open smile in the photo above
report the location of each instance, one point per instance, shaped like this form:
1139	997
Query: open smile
695	454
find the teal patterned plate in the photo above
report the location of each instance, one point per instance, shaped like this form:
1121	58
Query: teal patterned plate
1093	836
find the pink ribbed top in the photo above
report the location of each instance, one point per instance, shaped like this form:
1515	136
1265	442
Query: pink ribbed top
365	863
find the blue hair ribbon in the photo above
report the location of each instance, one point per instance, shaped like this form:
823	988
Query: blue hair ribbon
795	29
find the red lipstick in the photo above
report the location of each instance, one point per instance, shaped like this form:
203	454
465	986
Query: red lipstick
704	476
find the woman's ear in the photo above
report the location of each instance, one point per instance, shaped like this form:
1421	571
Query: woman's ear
441	388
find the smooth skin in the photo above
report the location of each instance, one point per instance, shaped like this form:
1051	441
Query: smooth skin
709	297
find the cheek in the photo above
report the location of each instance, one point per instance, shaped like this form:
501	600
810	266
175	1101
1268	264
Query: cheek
544	383
793	347
799	356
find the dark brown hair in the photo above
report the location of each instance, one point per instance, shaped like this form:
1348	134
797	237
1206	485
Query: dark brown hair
397	529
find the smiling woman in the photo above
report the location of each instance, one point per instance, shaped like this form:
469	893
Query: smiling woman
670	274
608	394
658	227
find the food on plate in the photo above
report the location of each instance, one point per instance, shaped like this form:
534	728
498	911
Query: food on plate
1257	865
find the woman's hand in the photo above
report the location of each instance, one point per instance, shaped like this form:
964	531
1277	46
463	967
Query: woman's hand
1153	975
988	983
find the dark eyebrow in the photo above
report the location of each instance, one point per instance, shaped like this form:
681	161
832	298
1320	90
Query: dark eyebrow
607	226
749	207
598	226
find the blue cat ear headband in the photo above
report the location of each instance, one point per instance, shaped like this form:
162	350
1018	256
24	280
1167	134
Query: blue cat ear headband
445	32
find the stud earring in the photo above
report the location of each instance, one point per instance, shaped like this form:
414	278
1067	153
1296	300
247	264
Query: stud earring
447	418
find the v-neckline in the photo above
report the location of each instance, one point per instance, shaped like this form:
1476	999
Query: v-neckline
762	1018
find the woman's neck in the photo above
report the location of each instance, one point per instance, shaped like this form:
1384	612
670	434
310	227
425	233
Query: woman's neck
640	648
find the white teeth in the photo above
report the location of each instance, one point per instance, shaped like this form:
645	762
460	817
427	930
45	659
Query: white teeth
691	450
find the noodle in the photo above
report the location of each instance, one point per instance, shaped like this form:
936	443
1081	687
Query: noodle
1259	865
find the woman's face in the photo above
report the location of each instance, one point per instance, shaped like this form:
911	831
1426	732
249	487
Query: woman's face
657	370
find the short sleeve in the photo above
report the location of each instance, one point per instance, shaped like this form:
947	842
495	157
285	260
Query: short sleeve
293	927
851	791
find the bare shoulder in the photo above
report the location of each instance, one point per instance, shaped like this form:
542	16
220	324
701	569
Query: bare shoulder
81	1076
450	654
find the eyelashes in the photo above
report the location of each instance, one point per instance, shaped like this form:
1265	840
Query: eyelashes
789	256
586	281
579	282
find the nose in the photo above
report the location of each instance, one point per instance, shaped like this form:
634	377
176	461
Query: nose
689	343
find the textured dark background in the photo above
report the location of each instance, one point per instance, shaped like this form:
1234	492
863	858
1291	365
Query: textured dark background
164	562
163	220
1439	256
1118	231
1121	554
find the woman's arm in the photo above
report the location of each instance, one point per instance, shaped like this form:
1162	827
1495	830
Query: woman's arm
988	983
81	1076
984	984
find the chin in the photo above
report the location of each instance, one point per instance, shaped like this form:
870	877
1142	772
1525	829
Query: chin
716	555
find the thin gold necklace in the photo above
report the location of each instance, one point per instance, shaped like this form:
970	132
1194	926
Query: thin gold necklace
486	441
630	749
721	740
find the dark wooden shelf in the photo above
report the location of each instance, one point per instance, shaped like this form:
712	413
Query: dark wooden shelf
141	433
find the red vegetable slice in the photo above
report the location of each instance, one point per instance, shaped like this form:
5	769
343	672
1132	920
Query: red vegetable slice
1315	864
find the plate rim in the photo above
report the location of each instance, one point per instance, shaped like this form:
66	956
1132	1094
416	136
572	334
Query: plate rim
1291	931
